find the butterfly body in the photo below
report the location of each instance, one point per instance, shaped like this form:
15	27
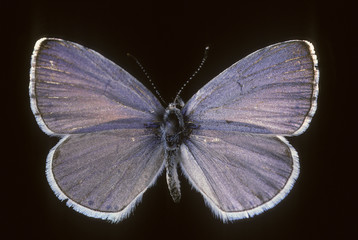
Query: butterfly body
173	133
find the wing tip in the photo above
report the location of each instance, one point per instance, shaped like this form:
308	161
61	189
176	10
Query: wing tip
312	111
32	91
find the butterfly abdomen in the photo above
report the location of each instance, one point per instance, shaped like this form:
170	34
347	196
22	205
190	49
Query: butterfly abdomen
171	163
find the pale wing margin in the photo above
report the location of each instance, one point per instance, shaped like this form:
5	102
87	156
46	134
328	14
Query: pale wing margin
239	175
104	175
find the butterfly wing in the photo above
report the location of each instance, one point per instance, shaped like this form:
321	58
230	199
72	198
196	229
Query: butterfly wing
104	174
236	156
107	157
271	91
239	174
76	90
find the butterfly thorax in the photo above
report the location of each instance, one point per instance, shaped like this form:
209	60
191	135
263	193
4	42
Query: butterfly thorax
172	129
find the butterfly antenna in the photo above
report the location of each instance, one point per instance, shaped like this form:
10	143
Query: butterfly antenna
147	76
194	74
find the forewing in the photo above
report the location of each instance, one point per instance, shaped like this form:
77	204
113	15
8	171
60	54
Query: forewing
104	174
272	91
76	90
239	174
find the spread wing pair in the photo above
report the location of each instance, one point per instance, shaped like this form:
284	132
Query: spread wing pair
109	154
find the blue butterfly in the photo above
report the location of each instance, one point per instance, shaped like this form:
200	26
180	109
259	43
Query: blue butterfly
117	138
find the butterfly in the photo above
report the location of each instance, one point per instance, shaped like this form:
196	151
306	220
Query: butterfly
117	138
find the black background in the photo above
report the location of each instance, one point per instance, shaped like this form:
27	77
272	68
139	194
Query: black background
169	39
